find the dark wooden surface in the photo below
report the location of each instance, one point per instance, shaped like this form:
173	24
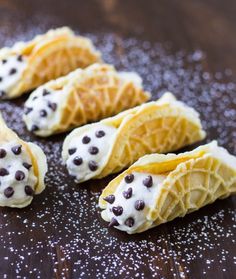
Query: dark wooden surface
61	235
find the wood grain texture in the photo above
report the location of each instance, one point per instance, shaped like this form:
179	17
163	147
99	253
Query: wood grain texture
46	247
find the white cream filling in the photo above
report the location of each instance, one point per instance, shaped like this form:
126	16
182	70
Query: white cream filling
169	98
45	111
13	163
82	172
222	154
131	77
11	70
139	192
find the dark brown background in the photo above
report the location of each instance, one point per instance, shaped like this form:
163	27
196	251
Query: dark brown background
44	240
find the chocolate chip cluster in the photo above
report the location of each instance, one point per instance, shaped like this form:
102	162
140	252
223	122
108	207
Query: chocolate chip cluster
9	73
50	107
138	205
9	170
92	150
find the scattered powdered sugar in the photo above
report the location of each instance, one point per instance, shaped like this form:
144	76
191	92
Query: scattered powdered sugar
62	234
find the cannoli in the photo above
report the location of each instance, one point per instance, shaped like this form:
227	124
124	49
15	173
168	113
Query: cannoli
28	65
83	96
23	167
99	149
158	188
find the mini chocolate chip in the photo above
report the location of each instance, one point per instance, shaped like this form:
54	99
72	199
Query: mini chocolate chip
4	61
1	79
86	139
128	194
27	110
45	92
3	153
117	210
16	149
19	58
113	223
29	191
19	175
12	71
52	106
139	205
8	192
43	113
3	172
2	93
27	166
100	134
93	165
110	199
93	150
148	181
129	222
129	178
34	128
78	161
71	151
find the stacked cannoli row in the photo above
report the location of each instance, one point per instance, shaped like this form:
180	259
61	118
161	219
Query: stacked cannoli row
114	129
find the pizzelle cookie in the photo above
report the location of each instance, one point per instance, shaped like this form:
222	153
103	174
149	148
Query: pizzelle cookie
99	149
83	96
27	65
158	188
23	167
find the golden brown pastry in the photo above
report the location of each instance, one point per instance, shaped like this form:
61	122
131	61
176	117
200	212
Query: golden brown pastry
28	65
83	96
99	149
158	188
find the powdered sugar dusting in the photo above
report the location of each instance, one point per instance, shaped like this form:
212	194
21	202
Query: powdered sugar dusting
62	234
